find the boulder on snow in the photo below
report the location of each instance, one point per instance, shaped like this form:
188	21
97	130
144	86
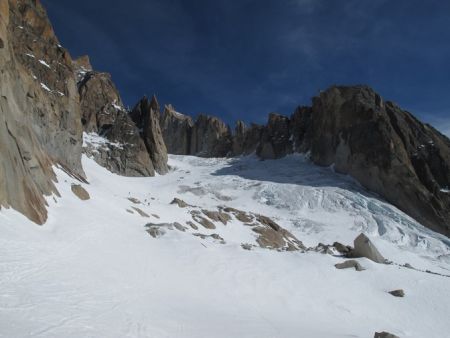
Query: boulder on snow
365	248
179	202
341	248
385	335
349	264
80	192
397	293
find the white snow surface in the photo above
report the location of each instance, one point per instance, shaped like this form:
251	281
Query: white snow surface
93	271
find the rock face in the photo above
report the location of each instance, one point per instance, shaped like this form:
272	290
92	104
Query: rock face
176	130
146	116
211	137
239	136
247	139
300	125
103	114
40	123
276	139
386	149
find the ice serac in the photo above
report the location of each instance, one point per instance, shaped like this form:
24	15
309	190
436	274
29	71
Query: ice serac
146	116
40	122
386	149
211	137
103	113
177	130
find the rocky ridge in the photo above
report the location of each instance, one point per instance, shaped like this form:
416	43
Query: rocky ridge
40	122
47	101
103	114
354	130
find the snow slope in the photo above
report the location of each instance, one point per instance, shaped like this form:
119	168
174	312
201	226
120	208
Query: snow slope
93	271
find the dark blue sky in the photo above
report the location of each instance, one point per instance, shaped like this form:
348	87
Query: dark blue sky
241	59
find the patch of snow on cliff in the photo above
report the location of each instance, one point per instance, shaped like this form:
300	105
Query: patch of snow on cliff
96	141
44	86
42	62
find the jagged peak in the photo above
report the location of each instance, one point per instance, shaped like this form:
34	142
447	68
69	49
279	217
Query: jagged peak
83	62
154	103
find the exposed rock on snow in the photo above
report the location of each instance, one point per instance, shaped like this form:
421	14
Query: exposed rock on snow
365	248
134	200
140	212
179	202
385	335
341	248
157	230
80	192
217	216
215	237
206	223
240	215
397	293
273	236
349	264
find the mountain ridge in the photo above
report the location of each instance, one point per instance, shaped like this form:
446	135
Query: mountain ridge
351	127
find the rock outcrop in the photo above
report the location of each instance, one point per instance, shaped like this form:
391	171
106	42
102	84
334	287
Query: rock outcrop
386	149
276	141
211	137
300	125
365	248
238	140
103	113
146	116
176	130
40	124
246	139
